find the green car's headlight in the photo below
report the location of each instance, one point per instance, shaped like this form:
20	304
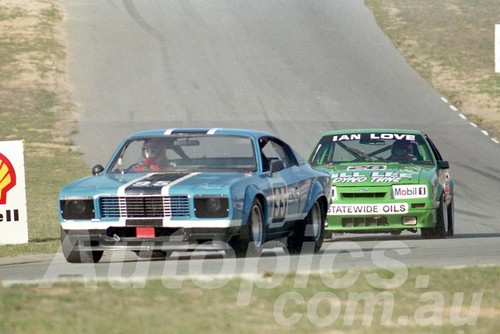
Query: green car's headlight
334	194
211	206
77	208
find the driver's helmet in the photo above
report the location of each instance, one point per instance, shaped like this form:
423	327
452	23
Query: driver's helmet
153	151
402	150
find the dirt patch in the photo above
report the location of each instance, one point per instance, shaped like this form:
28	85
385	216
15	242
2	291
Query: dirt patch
34	61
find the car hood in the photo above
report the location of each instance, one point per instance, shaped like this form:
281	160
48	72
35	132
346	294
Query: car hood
381	174
152	184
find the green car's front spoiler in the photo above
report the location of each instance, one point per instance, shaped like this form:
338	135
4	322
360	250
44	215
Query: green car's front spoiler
416	214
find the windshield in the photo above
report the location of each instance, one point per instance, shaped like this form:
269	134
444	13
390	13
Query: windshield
187	153
371	147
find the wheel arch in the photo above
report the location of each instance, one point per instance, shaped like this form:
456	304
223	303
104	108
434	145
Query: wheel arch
251	194
317	194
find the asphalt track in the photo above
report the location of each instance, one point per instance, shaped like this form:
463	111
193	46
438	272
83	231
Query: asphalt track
294	68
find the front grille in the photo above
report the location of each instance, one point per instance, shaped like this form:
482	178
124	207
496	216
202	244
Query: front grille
364	221
363	195
144	206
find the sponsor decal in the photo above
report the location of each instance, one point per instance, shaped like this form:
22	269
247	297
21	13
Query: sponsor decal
375	177
366	167
13	212
7	178
9	216
374	136
409	191
348	177
368	209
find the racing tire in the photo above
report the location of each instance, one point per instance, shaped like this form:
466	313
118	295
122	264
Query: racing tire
72	256
251	242
310	231
442	222
451	218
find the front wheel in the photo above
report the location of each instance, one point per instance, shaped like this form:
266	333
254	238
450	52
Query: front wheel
310	231
74	256
252	243
442	222
451	218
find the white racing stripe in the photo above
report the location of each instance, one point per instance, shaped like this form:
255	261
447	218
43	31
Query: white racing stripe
165	191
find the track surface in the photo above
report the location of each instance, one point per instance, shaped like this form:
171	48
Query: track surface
295	68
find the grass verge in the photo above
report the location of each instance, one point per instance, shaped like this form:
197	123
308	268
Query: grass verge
451	44
36	107
422	301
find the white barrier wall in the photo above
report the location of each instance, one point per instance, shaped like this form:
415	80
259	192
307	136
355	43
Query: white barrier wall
13	212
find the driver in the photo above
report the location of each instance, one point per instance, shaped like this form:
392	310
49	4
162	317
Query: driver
401	150
154	157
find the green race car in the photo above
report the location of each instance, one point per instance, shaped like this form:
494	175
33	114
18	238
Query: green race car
386	181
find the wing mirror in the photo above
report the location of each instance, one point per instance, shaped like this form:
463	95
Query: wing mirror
276	166
97	169
441	164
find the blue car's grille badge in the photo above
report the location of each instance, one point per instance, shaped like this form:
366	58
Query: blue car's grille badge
144	206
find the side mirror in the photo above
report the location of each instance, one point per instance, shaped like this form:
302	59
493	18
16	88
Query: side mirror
97	169
276	166
443	164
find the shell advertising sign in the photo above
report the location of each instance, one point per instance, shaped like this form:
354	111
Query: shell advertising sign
13	212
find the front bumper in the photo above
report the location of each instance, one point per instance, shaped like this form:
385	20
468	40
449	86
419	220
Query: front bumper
165	239
413	219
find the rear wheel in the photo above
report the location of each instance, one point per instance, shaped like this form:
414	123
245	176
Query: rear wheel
74	256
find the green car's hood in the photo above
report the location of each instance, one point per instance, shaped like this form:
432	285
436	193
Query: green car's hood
381	174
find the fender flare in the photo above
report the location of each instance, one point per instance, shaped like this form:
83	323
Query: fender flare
317	193
251	193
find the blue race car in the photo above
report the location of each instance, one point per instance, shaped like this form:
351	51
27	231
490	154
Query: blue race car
195	190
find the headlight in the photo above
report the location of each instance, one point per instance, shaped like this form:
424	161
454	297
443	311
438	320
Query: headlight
211	206
77	209
334	194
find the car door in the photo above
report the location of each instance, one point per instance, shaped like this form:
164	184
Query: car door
284	184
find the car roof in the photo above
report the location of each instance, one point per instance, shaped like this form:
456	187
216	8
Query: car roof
203	131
